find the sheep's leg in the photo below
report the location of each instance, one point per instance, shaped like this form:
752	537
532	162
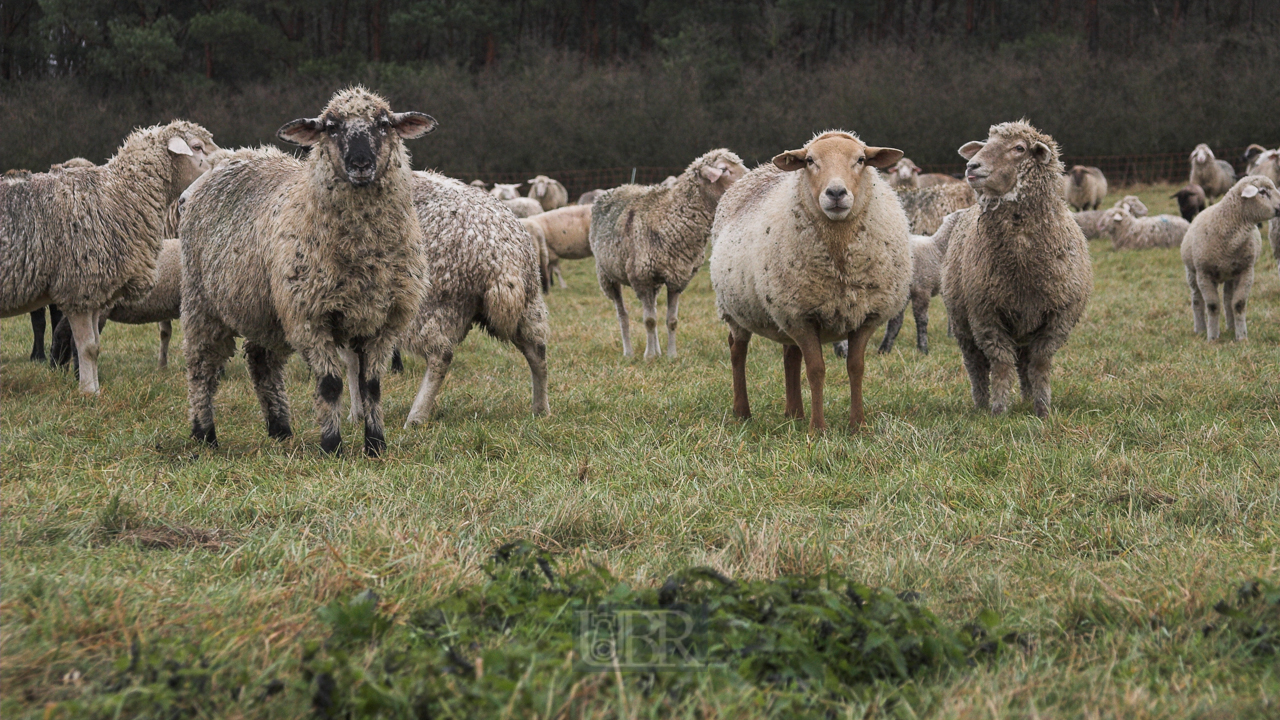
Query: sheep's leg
1197	303
979	368
649	305
1039	365
535	353
614	291
856	366
673	310
37	332
432	379
1209	289
84	328
1000	354
397	362
1237	299
207	345
370	379
352	359
920	310
815	368
1022	356
555	271
738	343
890	333
266	370
166	334
791	360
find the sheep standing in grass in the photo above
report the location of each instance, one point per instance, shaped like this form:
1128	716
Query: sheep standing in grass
549	193
313	256
1191	201
1017	273
1086	187
1221	248
927	206
927	254
650	236
808	250
85	238
1133	233
1215	176
1090	221
566	232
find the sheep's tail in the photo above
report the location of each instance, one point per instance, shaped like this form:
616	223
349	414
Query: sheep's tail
505	301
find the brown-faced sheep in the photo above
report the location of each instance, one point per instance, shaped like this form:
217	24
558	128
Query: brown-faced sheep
566	232
1017	274
1215	176
650	236
88	237
1086	187
808	250
1221	248
1191	201
928	206
1134	233
549	193
1090	221
311	256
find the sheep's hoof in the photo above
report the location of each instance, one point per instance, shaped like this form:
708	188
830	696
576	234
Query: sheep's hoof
998	409
331	443
374	444
208	435
279	430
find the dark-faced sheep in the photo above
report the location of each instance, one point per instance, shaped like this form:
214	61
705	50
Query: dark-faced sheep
312	256
1017	273
1191	201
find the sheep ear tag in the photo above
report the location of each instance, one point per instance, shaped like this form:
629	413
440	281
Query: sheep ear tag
1249	191
178	146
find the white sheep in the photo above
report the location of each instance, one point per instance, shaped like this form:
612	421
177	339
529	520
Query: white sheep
1215	176
523	207
1086	187
505	191
549	193
566	233
807	250
1090	221
1134	233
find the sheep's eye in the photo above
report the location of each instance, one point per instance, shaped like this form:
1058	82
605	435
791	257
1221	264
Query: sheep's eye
861	161
808	161
1020	148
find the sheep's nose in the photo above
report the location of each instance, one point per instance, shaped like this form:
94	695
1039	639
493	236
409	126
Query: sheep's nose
972	166
362	162
836	193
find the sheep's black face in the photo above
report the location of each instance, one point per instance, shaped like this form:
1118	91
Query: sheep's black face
361	144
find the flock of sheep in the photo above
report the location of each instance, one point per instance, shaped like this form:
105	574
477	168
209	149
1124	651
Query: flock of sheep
346	256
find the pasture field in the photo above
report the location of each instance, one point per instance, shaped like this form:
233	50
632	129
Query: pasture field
144	574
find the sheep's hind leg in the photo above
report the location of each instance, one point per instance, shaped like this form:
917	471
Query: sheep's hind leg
739	340
535	353
856	366
614	291
1237	300
673	310
815	368
1022	356
352	359
890	333
791	361
432	379
1197	304
1228	307
979	369
37	332
397	362
207	345
920	309
166	334
266	370
1209	290
649	305
84	328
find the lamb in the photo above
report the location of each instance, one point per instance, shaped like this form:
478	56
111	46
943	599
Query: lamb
485	272
589	197
321	256
1090	221
1221	247
1017	274
1132	233
649	236
807	250
566	233
1191	201
927	207
1215	176
927	254
549	193
1086	187
87	238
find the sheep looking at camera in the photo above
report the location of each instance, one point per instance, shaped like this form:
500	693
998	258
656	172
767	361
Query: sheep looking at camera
1215	176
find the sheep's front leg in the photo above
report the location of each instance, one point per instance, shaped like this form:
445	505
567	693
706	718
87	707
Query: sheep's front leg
673	311
325	361
370	378
555	270
1197	303
792	359
266	370
1238	298
649	304
1228	307
979	369
920	309
356	412
856	365
999	351
1209	290
738	343
815	368
166	334
890	333
1039	366
84	328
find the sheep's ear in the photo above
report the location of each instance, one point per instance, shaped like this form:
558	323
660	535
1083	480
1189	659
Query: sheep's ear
1248	191
178	146
1041	152
711	173
791	160
878	157
916	170
303	131
410	125
969	149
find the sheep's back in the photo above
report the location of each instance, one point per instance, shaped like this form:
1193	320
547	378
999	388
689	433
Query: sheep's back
164	302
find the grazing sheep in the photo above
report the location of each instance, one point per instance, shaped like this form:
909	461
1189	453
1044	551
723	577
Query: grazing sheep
589	197
1221	247
1133	233
316	256
1017	273
88	238
927	254
549	193
504	191
647	236
483	272
566	232
1191	201
1265	163
927	207
1090	221
1086	187
523	207
1215	176
807	250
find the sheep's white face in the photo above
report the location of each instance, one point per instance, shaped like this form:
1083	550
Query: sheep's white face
190	155
836	167
1114	218
505	192
358	147
539	186
995	165
904	171
1259	198
1202	154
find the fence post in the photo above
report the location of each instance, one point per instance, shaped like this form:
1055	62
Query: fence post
633	176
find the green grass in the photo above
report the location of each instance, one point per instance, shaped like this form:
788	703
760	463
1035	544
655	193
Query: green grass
1106	534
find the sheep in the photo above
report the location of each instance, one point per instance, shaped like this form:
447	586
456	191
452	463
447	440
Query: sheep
38	328
483	272
566	233
1215	176
668	181
1017	274
17	175
504	191
321	256
549	193
1221	247
1265	163
649	236
931	179
1090	220
927	253
75	162
927	207
904	174
1132	233
1086	187
807	250
589	197
87	238
523	207
1191	201
478	183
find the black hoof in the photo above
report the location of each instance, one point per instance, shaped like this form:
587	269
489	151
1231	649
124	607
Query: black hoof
374	444
331	443
38	356
207	435
279	430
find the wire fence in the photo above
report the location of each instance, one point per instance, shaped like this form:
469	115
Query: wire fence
1120	170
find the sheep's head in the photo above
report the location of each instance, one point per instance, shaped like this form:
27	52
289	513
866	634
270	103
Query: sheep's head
1202	154
1134	205
479	184
1013	152
505	192
904	173
1252	151
1259	198
1077	174
668	181
189	148
837	169
716	171
1114	218
358	135
539	186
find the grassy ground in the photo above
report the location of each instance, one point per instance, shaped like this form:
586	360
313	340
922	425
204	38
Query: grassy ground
1105	533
